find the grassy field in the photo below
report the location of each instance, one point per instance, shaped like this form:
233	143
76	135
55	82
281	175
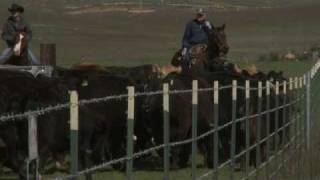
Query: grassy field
112	35
118	37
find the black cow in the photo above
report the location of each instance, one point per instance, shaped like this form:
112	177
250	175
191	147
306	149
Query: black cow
21	91
181	118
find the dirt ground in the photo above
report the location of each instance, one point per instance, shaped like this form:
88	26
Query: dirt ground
121	37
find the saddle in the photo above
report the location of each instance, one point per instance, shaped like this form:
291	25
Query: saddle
196	51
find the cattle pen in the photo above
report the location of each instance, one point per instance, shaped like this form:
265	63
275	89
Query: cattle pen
286	110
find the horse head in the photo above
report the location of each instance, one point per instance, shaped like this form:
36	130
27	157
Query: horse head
199	55
218	44
22	44
20	51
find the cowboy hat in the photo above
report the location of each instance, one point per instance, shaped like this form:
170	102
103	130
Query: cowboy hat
200	12
16	8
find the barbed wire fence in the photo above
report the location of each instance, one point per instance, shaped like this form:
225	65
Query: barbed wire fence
295	101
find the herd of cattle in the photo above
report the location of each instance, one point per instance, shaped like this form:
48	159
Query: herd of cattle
103	126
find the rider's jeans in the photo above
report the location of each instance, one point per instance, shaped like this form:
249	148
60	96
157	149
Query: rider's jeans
8	52
186	61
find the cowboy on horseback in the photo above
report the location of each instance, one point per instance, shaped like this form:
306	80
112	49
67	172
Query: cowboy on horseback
196	33
13	27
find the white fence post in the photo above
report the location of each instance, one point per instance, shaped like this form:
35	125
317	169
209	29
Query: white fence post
74	127
194	127
166	131
130	132
33	145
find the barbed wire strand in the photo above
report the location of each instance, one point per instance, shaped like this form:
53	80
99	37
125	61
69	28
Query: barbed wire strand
173	144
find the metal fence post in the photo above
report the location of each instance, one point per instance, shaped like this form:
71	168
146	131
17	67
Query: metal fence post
296	118
268	129
74	127
166	129
258	152
216	125
233	128
33	146
276	130
307	109
284	121
130	128
301	128
247	122
194	127
290	99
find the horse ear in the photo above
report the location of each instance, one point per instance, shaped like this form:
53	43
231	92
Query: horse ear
280	73
223	26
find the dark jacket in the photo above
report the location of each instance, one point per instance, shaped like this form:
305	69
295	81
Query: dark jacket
11	28
195	33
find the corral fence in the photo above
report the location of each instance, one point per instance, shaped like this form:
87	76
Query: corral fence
294	100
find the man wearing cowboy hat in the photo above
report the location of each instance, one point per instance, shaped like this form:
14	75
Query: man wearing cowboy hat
11	28
196	32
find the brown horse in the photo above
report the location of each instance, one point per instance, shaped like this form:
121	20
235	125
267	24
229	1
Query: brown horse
218	45
202	55
20	51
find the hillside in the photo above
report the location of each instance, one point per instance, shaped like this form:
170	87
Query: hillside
121	35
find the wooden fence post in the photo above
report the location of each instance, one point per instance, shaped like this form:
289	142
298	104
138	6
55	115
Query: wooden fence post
166	129
48	54
74	127
194	127
130	133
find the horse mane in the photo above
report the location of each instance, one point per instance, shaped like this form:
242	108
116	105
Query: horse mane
88	67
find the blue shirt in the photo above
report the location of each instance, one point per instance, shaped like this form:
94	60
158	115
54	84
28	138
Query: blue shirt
11	28
196	32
